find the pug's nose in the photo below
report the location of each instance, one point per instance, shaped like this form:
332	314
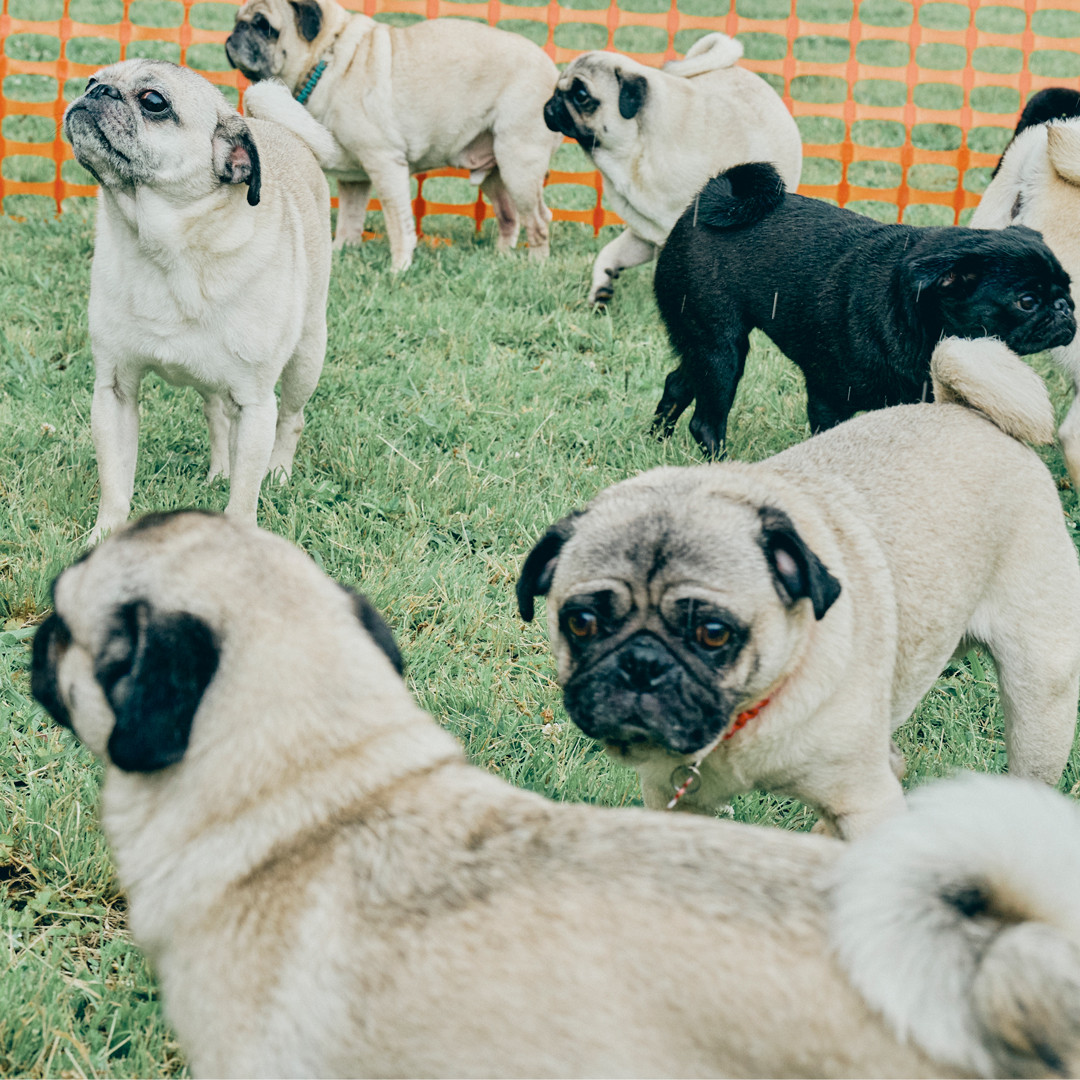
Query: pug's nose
103	90
1061	304
644	665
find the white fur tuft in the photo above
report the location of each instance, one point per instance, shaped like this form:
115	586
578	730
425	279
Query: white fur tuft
985	374
711	52
271	100
960	922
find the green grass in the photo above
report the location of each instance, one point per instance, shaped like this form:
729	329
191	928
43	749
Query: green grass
463	407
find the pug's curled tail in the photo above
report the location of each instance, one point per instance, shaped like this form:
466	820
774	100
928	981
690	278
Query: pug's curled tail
986	375
960	922
710	53
740	197
271	100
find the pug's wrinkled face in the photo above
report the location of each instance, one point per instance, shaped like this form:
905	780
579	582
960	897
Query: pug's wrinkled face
671	607
273	38
597	101
151	123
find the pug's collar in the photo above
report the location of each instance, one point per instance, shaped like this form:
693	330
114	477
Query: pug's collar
312	81
681	784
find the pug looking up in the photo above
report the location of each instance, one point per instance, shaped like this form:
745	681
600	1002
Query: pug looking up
657	136
211	267
325	887
402	100
857	305
772	624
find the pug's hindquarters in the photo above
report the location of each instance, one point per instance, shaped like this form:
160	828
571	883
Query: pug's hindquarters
211	268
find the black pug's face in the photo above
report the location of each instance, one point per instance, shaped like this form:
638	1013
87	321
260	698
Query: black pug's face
266	30
1010	286
669	609
596	101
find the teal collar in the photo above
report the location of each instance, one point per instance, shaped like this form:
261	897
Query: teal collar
312	81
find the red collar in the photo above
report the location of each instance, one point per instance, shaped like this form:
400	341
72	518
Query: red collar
693	772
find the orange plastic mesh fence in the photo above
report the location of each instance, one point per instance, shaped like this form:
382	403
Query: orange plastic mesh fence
903	106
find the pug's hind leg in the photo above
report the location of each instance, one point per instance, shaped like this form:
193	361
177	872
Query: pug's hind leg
218	423
715	378
252	440
1069	436
506	215
298	382
627	249
678	394
352	211
114	427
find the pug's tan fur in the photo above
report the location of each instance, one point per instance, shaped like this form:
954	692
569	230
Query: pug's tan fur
326	888
941	531
402	100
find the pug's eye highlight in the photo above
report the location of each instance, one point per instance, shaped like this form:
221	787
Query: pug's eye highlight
583	624
1027	302
713	634
262	24
579	95
152	101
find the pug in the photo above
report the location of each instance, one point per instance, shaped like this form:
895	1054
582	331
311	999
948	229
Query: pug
657	135
1053	103
326	888
1038	186
402	100
859	306
733	626
211	269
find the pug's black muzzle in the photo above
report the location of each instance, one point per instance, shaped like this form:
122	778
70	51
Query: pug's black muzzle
248	50
557	117
1056	327
641	692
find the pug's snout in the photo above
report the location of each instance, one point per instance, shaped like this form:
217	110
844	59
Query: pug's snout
644	664
103	90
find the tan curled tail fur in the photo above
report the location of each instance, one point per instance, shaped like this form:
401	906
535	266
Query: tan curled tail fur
271	100
710	53
986	375
960	922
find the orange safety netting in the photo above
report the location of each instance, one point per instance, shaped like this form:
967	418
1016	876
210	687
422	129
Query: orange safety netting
900	103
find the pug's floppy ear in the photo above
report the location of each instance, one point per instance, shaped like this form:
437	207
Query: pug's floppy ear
50	642
236	157
377	627
632	92
539	567
796	570
308	18
956	275
154	669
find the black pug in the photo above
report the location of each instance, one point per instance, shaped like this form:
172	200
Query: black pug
859	306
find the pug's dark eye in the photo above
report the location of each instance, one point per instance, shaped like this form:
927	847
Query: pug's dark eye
1027	302
152	101
262	24
579	95
582	624
713	634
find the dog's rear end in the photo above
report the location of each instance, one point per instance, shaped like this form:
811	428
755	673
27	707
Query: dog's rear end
960	922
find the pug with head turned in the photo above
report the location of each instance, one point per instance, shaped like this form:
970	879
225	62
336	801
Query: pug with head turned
657	135
400	100
211	268
738	626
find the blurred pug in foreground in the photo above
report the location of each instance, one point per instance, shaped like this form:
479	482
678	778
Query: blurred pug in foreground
737	626
326	888
402	100
211	268
657	136
1037	184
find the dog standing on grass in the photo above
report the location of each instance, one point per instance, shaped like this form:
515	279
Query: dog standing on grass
211	269
657	136
326	888
735	626
400	100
